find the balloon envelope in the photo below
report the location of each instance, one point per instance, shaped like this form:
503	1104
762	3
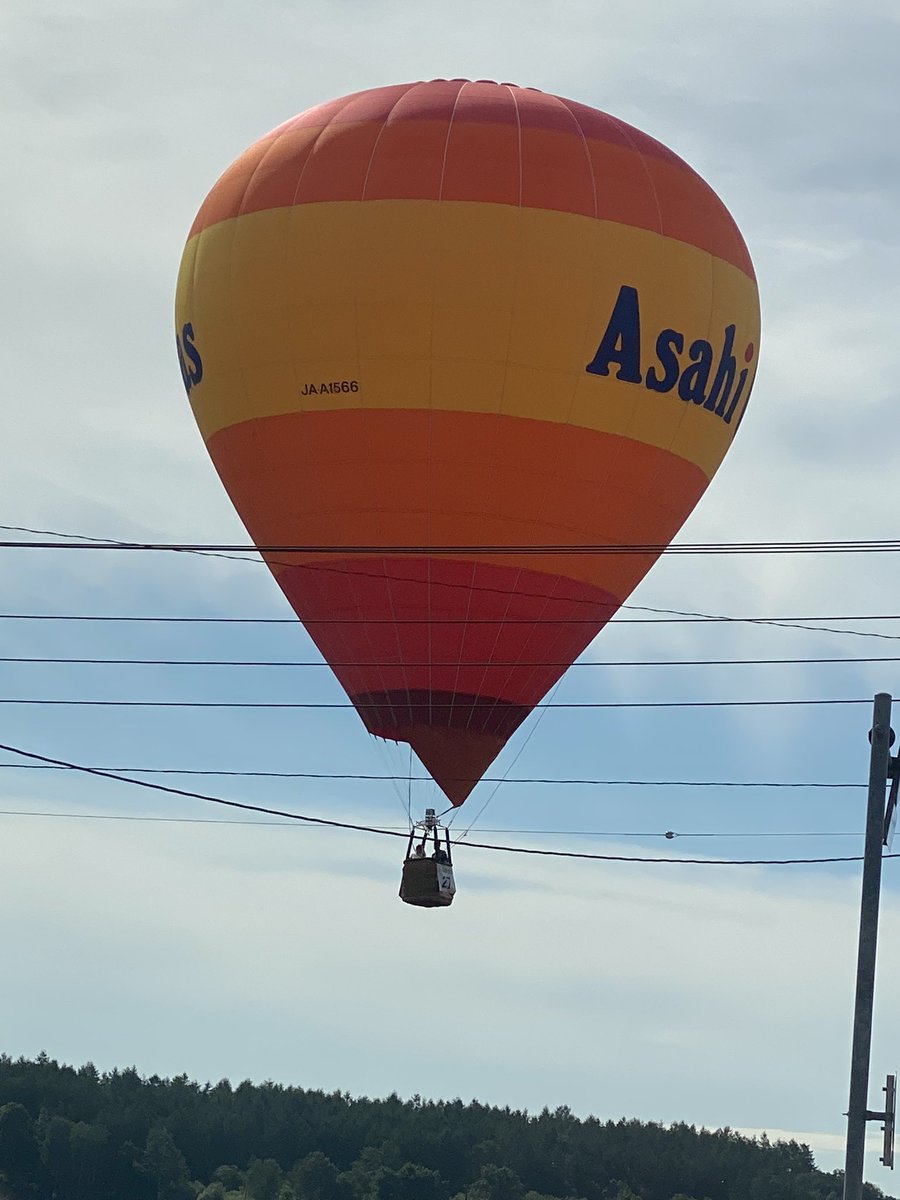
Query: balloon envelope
456	315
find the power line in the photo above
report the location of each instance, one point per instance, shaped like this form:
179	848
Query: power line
382	576
685	618
331	775
72	816
690	617
294	622
252	557
320	663
669	834
76	539
319	567
850	546
63	764
572	854
389	706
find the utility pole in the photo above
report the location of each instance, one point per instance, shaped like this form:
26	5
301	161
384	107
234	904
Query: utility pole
858	1111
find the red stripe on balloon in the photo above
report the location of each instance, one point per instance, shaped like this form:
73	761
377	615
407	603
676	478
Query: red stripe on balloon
485	631
479	142
455	683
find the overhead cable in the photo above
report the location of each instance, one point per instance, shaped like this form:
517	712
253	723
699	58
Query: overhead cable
850	546
320	663
293	622
343	777
668	834
529	850
377	704
253	557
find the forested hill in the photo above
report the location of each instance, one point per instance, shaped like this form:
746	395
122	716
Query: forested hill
68	1134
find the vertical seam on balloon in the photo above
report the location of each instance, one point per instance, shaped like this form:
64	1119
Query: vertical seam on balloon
242	212
440	194
519	141
374	657
293	215
293	207
588	316
312	150
350	571
355	583
401	656
623	130
462	642
509	598
231	257
689	404
567	423
384	125
496	453
587	154
514	591
383	560
499	690
561	430
504	691
552	653
200	235
751	378
380	715
517	664
430	417
196	255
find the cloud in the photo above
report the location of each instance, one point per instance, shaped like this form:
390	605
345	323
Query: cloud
286	954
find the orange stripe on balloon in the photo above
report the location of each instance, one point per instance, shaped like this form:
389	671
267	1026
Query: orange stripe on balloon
449	653
411	477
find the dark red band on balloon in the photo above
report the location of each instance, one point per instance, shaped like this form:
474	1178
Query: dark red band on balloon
387	713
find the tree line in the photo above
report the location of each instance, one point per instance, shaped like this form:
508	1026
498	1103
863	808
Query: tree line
79	1134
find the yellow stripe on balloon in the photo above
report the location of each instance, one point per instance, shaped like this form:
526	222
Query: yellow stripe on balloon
454	306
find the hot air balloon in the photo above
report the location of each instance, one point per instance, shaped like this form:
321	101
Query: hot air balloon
445	336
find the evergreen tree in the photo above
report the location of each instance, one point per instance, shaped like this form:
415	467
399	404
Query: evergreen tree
68	1134
263	1179
315	1177
165	1165
411	1182
497	1183
230	1178
19	1153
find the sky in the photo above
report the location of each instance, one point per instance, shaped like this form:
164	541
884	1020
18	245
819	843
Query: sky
205	943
